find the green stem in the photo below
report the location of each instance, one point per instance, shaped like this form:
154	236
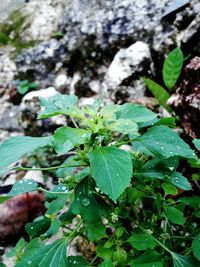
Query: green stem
73	121
21	168
75	230
93	260
50	192
156	240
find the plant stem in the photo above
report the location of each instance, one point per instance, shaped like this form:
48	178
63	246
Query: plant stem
21	168
75	230
156	240
93	260
75	124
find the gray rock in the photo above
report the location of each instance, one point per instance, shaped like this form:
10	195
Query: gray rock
91	39
126	62
7	69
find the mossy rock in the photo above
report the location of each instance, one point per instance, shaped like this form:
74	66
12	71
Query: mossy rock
10	32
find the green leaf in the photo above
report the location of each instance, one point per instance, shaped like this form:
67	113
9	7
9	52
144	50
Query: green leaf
38	227
53	229
112	170
193	201
22	89
158	92
197	143
169	189
15	148
95	231
196	247
149	258
172	67
56	205
179	180
55	105
124	126
104	253
184	261
90	206
135	112
75	261
161	140
108	112
168	121
120	256
50	255
23	186
142	241
2	264
65	138
106	263
174	215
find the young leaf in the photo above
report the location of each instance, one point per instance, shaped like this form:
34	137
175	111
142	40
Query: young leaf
55	105
123	126
148	259
174	215
120	256
196	247
172	67
112	170
158	92
142	241
38	227
135	112
169	189
50	255
12	149
162	141
184	261
95	231
179	180
65	138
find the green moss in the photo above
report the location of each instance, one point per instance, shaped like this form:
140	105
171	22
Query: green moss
10	32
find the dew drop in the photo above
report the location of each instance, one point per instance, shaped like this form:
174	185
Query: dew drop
178	147
193	154
171	152
171	168
20	182
74	262
85	201
157	143
64	188
162	147
30	182
32	227
117	174
29	262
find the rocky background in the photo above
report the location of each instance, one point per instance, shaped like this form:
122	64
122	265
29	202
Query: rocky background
92	47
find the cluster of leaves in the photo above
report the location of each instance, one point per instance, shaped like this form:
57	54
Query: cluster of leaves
171	71
24	86
119	189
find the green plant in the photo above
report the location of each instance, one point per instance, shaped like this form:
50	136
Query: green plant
123	199
24	86
171	71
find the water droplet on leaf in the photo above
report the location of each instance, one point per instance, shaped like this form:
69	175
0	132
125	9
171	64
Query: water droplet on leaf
85	201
